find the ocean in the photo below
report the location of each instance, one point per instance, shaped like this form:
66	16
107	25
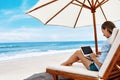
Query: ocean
15	50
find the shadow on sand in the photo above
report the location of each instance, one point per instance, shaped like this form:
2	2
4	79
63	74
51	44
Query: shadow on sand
44	76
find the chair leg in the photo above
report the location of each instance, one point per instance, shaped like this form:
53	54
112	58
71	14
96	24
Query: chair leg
55	77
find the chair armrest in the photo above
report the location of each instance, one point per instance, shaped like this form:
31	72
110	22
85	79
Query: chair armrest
118	67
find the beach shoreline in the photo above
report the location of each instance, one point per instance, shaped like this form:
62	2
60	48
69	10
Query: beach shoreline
20	69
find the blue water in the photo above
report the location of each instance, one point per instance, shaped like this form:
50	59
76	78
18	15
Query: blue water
20	49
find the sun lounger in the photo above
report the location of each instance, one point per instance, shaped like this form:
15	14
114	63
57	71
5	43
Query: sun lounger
109	70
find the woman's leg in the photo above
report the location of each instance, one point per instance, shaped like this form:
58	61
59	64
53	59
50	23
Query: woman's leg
72	59
78	55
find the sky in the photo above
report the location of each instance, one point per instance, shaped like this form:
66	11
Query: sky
16	26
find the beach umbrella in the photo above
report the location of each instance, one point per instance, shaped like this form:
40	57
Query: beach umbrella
76	13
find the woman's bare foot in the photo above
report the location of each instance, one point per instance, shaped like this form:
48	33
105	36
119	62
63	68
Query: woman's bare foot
66	64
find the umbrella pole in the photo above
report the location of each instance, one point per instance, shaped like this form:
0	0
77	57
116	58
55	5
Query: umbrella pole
95	32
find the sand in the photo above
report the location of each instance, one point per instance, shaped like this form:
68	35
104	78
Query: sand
20	69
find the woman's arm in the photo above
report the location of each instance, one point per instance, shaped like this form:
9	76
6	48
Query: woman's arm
95	60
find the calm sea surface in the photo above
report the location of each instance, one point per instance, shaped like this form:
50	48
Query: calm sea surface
29	49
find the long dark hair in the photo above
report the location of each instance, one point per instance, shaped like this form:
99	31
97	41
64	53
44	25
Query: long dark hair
109	25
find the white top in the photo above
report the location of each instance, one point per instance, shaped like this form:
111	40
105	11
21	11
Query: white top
104	50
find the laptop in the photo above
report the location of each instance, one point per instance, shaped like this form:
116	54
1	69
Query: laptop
86	50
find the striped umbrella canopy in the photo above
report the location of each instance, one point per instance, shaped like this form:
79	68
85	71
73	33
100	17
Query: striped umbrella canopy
76	13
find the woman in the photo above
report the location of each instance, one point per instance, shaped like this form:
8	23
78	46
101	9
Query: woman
94	65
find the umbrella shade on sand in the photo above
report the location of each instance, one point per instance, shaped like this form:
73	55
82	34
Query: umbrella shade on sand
76	13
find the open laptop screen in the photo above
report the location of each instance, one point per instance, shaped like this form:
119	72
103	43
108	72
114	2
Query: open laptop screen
86	50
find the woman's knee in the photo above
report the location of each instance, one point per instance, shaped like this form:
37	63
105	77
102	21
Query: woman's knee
78	52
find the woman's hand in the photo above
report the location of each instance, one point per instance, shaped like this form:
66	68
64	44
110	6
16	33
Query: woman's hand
98	53
93	56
